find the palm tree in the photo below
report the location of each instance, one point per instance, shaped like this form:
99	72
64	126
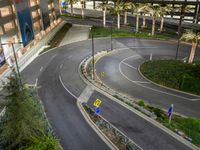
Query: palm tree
71	5
144	11
82	8
154	12
194	38
164	9
137	9
126	6
104	6
118	9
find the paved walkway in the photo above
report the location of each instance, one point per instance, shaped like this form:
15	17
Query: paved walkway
76	33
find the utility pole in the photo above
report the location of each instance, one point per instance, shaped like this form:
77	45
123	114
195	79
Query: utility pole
93	66
179	28
111	45
15	57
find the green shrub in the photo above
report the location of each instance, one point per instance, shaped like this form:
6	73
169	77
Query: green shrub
141	103
24	122
43	143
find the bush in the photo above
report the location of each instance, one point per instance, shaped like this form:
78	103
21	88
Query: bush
141	103
24	122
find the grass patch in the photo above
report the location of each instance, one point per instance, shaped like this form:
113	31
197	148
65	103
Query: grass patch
55	41
189	127
174	74
76	16
127	32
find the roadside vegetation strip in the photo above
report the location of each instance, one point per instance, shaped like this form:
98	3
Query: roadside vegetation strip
127	32
186	127
55	41
121	141
173	74
24	124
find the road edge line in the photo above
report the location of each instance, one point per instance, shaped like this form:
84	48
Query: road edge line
103	137
155	123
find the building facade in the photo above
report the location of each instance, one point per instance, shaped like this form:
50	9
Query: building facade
24	22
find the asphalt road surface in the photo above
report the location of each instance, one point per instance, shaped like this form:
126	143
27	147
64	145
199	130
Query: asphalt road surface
121	69
63	114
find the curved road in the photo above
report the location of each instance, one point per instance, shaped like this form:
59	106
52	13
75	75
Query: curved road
121	69
66	119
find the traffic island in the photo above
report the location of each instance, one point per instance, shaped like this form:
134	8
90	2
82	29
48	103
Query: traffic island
120	140
182	128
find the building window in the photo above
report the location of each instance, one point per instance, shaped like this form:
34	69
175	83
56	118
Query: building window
9	26
33	2
34	14
1	30
5	11
36	25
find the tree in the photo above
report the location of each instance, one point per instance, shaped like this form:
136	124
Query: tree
194	38
144	11
23	124
137	9
126	6
164	9
71	2
118	9
82	8
104	6
154	11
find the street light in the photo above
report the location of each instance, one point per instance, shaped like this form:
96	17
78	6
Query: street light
15	57
93	71
111	46
179	28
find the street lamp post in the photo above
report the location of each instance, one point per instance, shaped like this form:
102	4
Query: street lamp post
15	57
93	66
111	45
179	28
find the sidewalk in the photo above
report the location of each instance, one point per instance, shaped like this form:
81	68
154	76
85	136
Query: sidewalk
76	33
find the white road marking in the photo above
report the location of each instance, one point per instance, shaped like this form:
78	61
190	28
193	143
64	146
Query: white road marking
61	66
36	82
134	47
139	83
41	69
3	112
195	99
129	65
67	88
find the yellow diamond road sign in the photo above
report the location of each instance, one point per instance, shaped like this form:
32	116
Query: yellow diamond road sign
97	103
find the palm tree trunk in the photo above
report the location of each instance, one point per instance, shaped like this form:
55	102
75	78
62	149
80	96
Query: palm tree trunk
71	4
104	18
153	26
125	17
144	21
94	4
118	20
82	11
161	24
137	23
192	52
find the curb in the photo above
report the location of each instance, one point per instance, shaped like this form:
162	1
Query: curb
155	123
103	137
175	90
